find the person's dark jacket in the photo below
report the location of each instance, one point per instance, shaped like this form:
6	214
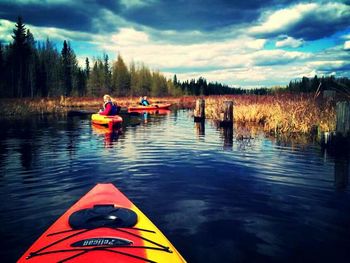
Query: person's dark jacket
110	109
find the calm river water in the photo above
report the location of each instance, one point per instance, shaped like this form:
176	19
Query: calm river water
218	196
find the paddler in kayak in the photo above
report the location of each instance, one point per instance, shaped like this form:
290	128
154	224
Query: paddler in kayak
141	101
144	101
109	108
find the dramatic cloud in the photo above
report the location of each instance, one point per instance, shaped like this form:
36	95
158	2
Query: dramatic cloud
290	42
199	15
335	61
128	4
42	33
308	21
5	30
243	43
347	42
347	45
278	57
60	15
331	67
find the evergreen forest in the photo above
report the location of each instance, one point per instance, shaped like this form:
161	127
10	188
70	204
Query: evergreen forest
29	68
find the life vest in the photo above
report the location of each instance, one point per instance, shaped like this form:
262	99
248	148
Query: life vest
145	103
114	109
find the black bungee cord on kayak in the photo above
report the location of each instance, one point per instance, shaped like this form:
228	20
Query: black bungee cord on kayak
100	216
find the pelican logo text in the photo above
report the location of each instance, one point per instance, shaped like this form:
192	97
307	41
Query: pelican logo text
98	242
102	242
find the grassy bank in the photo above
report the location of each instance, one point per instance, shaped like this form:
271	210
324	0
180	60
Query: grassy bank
276	114
19	107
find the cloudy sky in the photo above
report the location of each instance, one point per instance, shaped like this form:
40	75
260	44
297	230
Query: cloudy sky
249	43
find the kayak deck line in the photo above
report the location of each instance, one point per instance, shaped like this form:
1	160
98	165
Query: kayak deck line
102	226
85	250
70	230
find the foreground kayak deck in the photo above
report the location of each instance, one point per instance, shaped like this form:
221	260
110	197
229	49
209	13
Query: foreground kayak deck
105	236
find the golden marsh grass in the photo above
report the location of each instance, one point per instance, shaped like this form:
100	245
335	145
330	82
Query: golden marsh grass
277	114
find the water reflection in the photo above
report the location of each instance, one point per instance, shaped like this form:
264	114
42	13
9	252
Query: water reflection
145	114
27	152
200	129
25	143
110	136
246	203
341	173
73	129
240	135
228	137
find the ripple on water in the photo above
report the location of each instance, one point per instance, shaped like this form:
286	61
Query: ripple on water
201	187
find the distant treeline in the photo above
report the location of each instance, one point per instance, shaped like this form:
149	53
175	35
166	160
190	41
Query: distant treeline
37	69
202	87
340	85
309	85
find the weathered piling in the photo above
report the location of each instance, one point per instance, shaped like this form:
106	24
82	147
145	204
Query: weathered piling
199	111
226	117
343	118
339	140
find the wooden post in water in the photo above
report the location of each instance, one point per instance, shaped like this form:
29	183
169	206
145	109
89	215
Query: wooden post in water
226	118
199	111
339	141
343	118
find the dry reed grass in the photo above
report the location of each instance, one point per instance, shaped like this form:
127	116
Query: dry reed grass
277	114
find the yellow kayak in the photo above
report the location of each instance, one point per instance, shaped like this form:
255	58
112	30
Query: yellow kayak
109	121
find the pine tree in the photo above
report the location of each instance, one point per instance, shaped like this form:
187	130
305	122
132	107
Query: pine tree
120	78
51	83
96	80
133	79
144	80
159	86
81	82
91	82
20	54
175	80
102	89
69	68
32	64
87	68
107	74
67	73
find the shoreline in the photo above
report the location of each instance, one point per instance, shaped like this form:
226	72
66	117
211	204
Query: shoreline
277	114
